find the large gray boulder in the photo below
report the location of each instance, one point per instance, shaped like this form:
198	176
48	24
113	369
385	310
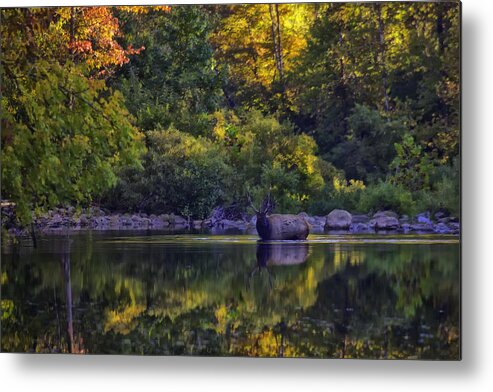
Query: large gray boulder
338	220
382	222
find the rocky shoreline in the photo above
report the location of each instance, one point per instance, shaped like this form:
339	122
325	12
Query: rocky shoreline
337	221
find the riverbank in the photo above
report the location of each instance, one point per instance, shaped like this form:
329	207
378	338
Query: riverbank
337	221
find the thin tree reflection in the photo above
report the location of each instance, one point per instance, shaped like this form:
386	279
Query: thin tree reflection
73	345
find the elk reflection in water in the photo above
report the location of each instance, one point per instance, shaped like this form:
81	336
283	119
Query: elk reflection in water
278	254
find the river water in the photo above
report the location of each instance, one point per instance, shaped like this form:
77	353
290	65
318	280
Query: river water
344	296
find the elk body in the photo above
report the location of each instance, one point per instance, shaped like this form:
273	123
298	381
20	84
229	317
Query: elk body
279	226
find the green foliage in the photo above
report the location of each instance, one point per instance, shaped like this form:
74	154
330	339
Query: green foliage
412	166
367	66
337	193
444	194
387	196
182	174
339	89
368	149
64	137
268	155
173	80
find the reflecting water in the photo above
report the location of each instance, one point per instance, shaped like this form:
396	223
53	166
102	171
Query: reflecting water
329	296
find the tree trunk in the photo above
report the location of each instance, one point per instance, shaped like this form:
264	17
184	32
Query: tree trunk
277	47
381	35
343	86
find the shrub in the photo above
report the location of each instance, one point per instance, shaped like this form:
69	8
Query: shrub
268	155
387	196
182	174
445	190
338	193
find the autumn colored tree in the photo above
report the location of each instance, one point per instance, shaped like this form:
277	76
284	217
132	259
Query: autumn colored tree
291	97
256	46
64	133
397	60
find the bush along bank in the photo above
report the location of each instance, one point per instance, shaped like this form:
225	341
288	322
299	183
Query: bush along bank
337	221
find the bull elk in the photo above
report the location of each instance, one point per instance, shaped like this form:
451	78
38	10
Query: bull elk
279	226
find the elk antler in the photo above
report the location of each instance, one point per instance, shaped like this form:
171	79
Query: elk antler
251	203
268	204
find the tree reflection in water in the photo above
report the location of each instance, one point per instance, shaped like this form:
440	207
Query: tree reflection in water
187	296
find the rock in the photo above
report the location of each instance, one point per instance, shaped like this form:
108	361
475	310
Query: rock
361	218
197	224
114	221
146	222
311	220
403	219
55	222
126	221
422	227
338	220
359	228
207	223
386	213
384	222
442	228
228	224
441	214
164	217
83	221
455	227
423	217
405	227
179	220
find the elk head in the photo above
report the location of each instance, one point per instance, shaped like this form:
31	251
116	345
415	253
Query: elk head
265	209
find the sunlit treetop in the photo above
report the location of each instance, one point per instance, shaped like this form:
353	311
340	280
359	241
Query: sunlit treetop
87	35
144	9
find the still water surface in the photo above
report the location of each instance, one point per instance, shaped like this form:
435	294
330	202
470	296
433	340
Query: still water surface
182	294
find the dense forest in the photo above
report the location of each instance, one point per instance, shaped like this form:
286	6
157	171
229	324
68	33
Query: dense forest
185	108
